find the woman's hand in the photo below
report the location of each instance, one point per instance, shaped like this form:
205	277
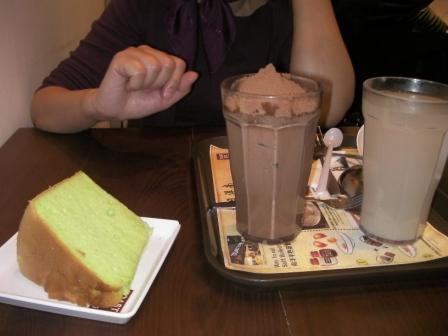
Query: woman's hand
139	82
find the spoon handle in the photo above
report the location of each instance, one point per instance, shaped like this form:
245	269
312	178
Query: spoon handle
321	190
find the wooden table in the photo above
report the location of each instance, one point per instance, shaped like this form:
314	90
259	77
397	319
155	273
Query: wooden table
150	171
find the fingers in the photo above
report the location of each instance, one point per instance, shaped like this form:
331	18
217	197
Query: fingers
145	68
172	84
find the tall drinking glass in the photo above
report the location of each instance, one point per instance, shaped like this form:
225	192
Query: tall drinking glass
405	150
271	142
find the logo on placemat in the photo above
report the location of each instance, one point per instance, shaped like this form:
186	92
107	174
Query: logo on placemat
119	306
222	156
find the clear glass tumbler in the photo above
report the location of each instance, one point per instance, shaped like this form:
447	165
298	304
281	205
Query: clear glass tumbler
405	150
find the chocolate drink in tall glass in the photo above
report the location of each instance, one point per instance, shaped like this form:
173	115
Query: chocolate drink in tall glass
271	121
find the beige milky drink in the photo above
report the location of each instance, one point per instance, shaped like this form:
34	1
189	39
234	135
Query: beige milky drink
405	150
271	121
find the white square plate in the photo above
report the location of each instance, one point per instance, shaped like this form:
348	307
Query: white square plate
17	290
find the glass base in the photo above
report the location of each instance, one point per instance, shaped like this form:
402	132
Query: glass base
387	241
270	241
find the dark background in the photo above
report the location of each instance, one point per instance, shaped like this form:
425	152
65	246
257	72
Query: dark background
392	38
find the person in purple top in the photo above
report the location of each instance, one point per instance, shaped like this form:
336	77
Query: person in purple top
161	62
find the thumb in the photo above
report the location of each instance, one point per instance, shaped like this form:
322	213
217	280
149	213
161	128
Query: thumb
184	87
187	81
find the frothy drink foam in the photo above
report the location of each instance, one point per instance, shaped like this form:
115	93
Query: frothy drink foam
271	122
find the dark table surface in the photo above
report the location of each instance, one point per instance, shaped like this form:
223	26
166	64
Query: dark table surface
151	172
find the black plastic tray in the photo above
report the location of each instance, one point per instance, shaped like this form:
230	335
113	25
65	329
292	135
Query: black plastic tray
213	251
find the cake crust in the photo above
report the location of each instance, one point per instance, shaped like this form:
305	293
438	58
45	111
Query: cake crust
45	260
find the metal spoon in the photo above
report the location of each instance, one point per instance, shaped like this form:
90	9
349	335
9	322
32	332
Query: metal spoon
351	182
351	185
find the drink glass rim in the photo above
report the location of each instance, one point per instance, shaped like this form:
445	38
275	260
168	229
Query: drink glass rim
226	85
379	85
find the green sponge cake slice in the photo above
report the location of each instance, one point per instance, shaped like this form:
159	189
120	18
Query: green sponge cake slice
80	243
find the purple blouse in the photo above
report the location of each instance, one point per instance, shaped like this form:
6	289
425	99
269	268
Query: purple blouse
261	38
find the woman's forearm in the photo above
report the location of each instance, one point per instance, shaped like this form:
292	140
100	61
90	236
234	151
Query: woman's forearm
139	82
59	110
319	52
